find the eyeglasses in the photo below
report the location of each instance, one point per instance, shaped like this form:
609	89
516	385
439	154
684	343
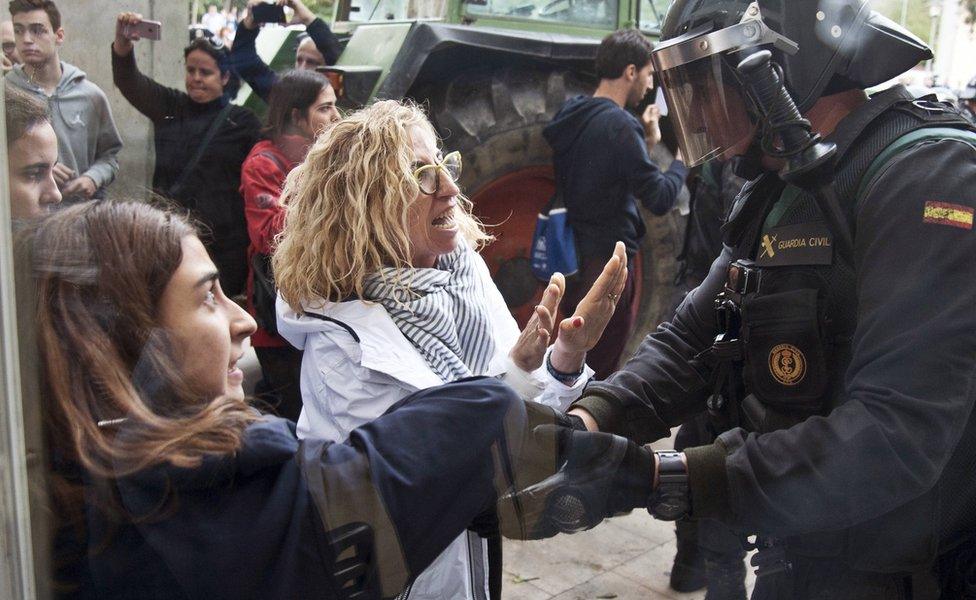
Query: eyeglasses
428	176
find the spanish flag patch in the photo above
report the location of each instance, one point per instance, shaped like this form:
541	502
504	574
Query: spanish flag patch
953	215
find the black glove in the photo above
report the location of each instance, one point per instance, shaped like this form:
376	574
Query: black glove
599	475
570	421
540	458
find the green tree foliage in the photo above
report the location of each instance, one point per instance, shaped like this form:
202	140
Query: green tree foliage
916	13
324	7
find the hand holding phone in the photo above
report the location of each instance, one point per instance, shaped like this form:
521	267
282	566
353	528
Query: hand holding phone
143	29
266	12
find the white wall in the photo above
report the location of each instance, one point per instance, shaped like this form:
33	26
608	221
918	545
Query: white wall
955	50
89	27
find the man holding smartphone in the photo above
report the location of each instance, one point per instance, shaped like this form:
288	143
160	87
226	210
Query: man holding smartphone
88	141
318	47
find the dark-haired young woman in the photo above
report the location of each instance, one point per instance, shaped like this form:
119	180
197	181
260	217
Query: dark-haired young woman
200	139
301	105
32	152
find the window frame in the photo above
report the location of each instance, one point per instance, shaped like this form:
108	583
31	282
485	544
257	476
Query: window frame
18	567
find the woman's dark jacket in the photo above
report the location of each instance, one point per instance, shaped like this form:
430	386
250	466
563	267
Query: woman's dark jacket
211	190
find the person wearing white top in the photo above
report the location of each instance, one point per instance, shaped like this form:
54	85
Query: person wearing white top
381	287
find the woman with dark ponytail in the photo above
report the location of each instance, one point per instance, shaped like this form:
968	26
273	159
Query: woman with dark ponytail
301	106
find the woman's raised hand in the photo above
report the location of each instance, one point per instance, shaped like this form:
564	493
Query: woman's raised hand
530	348
580	332
124	33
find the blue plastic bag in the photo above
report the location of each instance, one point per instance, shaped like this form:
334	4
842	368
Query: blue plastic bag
553	243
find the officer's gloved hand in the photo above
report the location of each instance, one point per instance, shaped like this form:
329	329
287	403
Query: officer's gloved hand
598	475
570	421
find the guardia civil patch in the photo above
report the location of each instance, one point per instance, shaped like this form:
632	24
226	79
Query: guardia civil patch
791	245
944	213
787	364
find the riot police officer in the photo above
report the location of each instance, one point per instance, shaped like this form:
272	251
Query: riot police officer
835	337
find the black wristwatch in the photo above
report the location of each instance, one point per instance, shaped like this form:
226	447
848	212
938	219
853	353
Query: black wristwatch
670	501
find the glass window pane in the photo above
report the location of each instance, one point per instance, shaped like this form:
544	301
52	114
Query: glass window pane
652	14
600	13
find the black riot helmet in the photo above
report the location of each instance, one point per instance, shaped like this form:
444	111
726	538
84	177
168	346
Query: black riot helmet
822	47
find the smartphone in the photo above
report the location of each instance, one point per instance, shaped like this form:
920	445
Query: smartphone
147	30
268	13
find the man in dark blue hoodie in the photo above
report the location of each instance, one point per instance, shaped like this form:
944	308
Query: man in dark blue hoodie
600	155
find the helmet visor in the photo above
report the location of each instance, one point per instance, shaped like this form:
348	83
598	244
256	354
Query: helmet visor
710	112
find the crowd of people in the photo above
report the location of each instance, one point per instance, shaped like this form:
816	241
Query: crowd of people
221	23
409	422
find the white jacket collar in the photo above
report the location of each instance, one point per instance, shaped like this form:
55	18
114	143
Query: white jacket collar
380	345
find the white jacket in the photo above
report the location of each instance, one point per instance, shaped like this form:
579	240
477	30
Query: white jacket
357	364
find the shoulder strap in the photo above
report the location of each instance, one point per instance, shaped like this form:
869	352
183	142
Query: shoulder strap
906	141
555	202
177	187
271	156
787	199
351	331
880	103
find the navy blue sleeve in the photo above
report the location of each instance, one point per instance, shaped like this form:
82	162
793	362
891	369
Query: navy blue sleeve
657	191
421	473
245	60
326	41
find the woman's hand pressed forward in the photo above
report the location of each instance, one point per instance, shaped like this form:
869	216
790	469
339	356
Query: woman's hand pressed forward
580	332
530	348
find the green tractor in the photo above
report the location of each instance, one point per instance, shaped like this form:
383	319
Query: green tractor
492	73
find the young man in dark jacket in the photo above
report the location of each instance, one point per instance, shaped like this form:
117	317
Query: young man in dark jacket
600	155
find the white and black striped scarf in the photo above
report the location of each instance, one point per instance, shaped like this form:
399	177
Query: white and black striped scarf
442	311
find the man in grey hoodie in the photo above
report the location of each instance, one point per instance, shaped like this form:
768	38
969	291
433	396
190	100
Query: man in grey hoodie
88	141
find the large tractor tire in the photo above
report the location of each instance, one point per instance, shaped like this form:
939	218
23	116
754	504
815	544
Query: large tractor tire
495	117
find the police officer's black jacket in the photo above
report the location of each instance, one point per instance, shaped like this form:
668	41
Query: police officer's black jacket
877	359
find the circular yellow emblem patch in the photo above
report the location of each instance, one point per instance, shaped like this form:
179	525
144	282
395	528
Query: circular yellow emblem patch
787	364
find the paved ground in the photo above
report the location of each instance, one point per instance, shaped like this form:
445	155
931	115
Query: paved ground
626	558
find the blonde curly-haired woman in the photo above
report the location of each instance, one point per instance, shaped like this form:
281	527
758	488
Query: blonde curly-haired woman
383	289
